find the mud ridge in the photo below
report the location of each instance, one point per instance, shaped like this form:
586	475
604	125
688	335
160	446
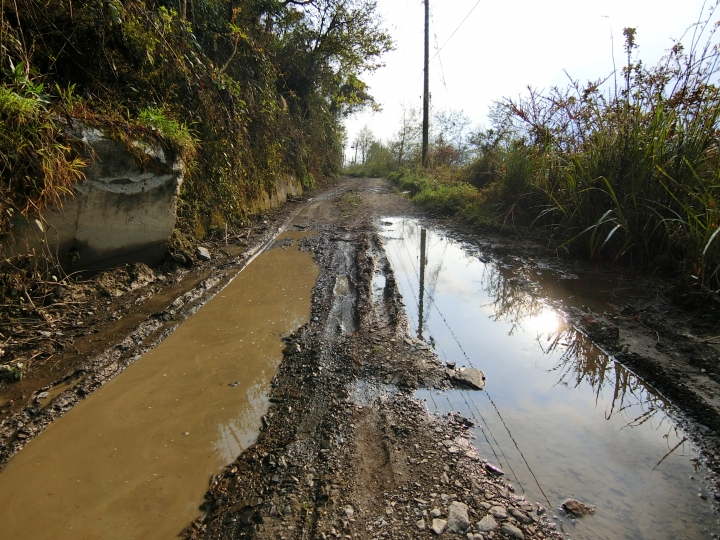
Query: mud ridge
345	450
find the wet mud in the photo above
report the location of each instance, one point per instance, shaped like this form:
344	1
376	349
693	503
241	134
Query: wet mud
598	388
132	460
558	414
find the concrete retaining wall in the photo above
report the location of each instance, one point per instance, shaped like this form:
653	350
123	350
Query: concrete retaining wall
123	212
285	186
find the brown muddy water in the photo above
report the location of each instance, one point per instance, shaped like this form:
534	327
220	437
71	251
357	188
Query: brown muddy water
558	415
133	460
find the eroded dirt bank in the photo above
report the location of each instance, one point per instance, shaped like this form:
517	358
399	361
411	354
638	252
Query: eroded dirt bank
344	450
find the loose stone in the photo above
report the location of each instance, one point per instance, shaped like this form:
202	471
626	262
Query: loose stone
203	253
577	509
521	517
498	512
458	521
512	531
487	524
438	526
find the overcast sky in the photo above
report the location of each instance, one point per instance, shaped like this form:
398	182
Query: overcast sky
504	46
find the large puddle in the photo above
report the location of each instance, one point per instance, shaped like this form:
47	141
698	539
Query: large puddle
559	416
134	459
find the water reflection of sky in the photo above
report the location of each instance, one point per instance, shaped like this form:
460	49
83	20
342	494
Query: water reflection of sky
238	433
560	416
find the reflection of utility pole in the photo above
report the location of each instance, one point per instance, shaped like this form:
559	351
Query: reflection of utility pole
423	235
426	87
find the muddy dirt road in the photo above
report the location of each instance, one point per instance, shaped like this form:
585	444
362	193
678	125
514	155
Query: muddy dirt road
358	409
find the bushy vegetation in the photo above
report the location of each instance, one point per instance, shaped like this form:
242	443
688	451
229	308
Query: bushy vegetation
244	91
624	169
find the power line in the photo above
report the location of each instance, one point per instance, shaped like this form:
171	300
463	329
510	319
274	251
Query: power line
404	14
437	48
447	40
458	28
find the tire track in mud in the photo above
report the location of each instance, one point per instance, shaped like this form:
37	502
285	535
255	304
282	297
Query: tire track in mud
345	449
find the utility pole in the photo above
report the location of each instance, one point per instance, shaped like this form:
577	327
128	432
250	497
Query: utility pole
426	87
423	262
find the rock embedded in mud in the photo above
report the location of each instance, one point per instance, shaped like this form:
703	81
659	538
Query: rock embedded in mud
471	377
487	524
420	524
203	253
577	509
349	511
458	520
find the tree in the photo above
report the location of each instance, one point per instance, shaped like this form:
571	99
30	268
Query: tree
379	160
450	136
363	140
326	45
407	138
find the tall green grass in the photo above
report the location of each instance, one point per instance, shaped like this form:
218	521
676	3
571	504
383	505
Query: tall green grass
439	193
626	172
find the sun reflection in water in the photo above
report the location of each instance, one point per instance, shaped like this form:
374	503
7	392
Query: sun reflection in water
546	321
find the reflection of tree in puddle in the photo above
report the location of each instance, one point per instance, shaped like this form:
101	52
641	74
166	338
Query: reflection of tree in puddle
510	301
579	361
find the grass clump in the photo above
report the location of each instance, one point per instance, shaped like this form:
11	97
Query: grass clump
37	163
156	119
440	193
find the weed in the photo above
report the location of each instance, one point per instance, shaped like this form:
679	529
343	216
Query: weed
349	203
177	133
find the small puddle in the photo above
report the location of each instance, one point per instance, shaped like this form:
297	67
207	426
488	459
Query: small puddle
134	459
559	416
45	398
341	316
378	286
